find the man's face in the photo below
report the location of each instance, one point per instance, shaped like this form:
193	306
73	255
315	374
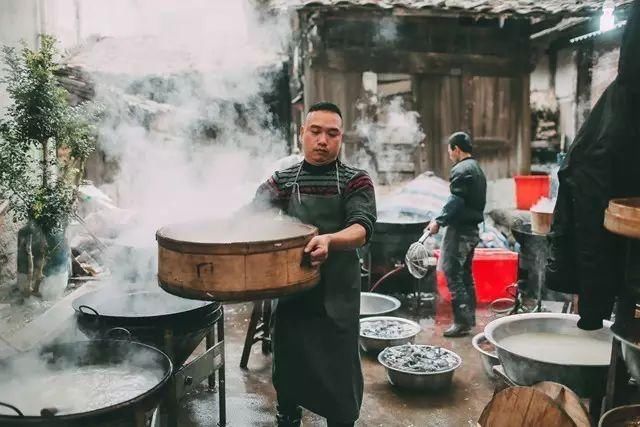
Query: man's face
454	154
321	137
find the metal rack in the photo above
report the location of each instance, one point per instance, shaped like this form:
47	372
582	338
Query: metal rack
625	313
195	371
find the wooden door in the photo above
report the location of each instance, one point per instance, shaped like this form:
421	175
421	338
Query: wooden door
493	109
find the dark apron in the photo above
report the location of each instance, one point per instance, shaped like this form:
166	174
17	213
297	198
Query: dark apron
316	361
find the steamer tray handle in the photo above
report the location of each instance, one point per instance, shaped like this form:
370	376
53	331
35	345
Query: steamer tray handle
204	268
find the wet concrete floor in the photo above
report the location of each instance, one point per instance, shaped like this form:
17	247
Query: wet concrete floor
250	395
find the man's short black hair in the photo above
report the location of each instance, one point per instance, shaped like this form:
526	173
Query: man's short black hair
461	140
325	106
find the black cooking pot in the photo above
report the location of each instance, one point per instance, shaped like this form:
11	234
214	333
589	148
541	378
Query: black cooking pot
532	261
150	316
393	235
68	358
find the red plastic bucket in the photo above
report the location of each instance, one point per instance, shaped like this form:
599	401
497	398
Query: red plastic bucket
529	189
492	269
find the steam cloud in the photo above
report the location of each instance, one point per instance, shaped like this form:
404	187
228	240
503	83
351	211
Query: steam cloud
394	126
185	119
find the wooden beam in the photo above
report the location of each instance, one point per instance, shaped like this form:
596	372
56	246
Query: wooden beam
451	13
544	25
523	142
389	61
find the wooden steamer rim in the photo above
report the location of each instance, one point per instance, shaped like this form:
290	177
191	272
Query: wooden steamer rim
166	240
623	217
235	271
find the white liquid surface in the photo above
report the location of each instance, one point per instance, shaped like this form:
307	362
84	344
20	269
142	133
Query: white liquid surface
241	230
74	391
559	348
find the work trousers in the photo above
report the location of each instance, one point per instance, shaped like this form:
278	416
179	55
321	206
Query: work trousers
458	245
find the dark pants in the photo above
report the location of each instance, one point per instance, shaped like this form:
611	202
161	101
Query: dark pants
289	415
458	245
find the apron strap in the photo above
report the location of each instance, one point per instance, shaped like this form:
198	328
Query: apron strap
294	185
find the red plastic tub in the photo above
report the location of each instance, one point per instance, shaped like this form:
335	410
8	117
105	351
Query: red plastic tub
530	188
493	270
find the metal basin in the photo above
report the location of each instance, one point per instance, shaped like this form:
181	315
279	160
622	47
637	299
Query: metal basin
629	338
533	367
372	304
488	359
421	381
373	344
621	417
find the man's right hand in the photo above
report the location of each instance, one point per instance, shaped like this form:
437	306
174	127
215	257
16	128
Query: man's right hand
433	227
318	249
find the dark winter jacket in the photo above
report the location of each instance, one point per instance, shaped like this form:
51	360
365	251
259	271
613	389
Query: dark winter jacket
601	164
468	187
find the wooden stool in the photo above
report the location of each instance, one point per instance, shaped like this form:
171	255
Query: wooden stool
259	330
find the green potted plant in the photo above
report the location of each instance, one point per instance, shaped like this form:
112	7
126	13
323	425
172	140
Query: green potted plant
44	142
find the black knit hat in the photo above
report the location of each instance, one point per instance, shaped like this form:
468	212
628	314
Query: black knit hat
461	140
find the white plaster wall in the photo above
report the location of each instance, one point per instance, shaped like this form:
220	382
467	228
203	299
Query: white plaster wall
540	77
541	90
19	20
566	80
604	71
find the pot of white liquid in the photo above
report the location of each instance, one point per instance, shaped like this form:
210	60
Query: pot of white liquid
535	347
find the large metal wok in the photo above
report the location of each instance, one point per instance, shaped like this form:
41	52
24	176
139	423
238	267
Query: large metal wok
64	361
629	337
585	380
148	315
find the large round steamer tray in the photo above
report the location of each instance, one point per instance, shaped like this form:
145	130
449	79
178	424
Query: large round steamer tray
623	217
251	258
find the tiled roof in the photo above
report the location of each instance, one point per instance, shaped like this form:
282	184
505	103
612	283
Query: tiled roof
482	7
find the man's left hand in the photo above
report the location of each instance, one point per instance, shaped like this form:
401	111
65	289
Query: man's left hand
433	227
318	248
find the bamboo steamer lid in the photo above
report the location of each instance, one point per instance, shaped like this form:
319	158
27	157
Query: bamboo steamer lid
235	259
623	217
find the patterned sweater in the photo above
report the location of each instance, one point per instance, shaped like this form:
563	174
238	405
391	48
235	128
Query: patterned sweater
356	189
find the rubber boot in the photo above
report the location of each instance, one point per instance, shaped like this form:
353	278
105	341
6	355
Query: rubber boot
457	330
462	319
292	418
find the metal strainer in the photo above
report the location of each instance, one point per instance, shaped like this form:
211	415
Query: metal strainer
418	258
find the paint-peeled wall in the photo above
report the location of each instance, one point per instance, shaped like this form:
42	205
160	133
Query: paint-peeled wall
566	78
542	96
603	72
20	20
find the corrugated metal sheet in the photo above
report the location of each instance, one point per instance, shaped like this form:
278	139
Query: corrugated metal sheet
481	7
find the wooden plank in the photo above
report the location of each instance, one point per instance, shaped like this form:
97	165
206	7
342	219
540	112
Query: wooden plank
452	116
342	88
398	61
489	107
424	94
394	88
569	401
524	407
523	136
488	98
